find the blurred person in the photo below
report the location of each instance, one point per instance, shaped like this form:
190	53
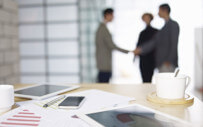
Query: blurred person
165	43
104	48
147	61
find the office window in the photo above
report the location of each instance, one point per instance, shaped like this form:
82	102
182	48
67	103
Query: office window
67	13
29	2
31	31
62	1
65	78
33	66
49	31
32	49
70	65
31	14
33	79
49	41
65	48
57	31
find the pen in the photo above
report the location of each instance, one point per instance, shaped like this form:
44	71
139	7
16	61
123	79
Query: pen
53	101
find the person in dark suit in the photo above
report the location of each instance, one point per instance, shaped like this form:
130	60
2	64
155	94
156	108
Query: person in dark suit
165	43
147	61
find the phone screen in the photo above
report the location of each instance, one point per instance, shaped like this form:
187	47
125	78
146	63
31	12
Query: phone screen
72	101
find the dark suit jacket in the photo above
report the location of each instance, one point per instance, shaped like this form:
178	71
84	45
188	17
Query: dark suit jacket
165	44
144	38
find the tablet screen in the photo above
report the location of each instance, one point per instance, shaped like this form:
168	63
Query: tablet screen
41	90
133	116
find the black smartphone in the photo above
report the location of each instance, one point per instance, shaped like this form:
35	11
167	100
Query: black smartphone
72	102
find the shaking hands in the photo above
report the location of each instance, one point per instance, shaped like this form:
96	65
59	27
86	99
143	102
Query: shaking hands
137	51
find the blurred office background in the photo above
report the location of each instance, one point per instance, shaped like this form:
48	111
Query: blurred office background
53	40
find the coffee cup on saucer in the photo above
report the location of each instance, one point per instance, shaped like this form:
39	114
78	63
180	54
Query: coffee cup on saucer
6	97
169	86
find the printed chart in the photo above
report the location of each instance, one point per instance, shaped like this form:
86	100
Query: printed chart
22	118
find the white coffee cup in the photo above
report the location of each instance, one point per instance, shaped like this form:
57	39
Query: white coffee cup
170	87
6	97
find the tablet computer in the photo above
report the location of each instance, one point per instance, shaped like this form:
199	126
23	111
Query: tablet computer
42	91
132	116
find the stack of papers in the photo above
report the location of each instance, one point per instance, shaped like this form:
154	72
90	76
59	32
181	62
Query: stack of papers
32	113
95	100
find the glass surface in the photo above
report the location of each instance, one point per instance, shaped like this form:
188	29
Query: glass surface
31	31
64	65
132	116
32	65
41	90
83	4
84	17
29	2
25	79
63	48
61	1
62	13
31	14
65	79
63	31
72	101
32	49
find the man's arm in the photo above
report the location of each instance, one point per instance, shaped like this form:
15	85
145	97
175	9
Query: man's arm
174	34
109	42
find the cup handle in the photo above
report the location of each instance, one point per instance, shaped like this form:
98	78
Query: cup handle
188	81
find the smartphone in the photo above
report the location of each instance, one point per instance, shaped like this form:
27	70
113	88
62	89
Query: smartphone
72	102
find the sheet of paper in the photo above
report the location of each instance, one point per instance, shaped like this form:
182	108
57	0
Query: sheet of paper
35	116
95	100
41	103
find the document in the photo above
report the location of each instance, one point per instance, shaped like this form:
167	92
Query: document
97	99
32	115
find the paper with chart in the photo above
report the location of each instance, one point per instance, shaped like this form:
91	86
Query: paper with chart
27	116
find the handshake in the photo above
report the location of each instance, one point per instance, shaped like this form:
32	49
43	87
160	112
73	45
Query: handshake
137	51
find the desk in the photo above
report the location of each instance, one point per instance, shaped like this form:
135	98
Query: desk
188	112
